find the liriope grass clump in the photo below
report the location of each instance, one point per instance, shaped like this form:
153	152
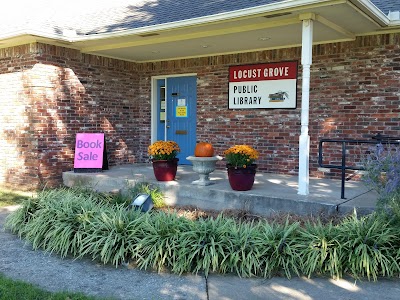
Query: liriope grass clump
160	240
369	247
112	234
82	223
320	249
202	246
243	249
279	249
56	220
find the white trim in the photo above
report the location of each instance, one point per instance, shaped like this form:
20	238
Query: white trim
153	100
304	139
367	7
246	12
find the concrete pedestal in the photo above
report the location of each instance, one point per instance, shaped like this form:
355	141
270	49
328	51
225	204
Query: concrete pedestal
203	166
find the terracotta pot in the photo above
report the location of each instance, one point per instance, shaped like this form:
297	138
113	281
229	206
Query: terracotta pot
241	179
165	170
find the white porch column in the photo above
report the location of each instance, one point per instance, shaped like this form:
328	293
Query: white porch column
304	140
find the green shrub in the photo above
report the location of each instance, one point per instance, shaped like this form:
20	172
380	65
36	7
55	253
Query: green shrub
150	189
17	221
159	244
55	220
242	250
382	166
278	248
83	223
320	250
202	246
112	235
369	246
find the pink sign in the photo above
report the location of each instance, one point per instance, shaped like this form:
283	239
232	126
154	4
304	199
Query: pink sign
89	149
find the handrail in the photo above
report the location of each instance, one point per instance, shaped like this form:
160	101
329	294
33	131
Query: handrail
378	139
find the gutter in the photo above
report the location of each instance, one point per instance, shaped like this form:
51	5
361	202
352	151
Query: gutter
368	8
246	12
365	6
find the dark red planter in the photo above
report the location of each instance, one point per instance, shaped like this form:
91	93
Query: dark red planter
165	170
241	179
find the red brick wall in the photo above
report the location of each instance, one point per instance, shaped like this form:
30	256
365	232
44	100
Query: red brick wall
355	93
53	92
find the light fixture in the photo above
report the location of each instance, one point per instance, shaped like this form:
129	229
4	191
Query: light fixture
142	202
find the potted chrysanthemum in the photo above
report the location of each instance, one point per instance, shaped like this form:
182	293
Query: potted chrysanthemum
165	163
241	167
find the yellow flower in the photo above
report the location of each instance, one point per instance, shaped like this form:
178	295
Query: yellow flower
241	155
163	150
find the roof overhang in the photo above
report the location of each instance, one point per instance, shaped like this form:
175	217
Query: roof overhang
264	27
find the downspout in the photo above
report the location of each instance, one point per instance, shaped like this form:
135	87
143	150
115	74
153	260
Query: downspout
304	139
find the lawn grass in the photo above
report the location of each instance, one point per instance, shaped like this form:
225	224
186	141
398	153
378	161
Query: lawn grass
12	197
18	290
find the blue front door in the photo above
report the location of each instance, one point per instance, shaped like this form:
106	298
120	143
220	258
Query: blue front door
180	114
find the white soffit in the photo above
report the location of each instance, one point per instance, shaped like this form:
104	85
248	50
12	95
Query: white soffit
339	22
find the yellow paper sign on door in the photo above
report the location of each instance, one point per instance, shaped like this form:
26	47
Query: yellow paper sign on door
181	111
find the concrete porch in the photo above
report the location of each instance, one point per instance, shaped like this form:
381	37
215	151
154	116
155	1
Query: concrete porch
270	194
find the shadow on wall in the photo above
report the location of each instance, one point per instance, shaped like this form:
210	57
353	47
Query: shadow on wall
46	106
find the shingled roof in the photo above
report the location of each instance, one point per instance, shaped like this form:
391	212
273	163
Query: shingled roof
96	17
387	5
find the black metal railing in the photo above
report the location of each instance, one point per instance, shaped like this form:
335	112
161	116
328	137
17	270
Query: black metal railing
377	139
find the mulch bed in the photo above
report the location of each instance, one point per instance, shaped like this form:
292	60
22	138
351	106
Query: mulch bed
195	213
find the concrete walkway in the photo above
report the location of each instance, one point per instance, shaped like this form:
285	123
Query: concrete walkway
19	261
271	193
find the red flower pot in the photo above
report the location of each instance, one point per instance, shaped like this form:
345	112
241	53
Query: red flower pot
241	179
165	170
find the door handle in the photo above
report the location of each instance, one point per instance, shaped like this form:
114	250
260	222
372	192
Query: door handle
168	126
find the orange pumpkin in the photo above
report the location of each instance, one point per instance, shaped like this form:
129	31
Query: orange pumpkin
204	149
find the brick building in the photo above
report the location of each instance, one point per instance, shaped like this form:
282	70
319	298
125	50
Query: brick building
110	68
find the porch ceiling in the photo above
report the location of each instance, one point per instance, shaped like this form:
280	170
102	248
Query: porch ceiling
334	21
337	22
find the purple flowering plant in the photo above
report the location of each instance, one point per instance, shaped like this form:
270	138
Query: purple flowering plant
382	166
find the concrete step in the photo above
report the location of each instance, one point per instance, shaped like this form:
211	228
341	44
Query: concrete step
271	193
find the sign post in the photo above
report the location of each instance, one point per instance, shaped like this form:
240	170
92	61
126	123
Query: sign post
90	153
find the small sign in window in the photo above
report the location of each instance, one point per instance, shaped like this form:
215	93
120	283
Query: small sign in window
181	111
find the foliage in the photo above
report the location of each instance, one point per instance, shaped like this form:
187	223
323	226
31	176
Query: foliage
112	235
279	249
163	150
82	223
241	155
382	167
320	250
394	208
150	189
202	246
244	250
369	245
160	241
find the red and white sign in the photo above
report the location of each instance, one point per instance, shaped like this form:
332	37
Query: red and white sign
272	85
89	149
